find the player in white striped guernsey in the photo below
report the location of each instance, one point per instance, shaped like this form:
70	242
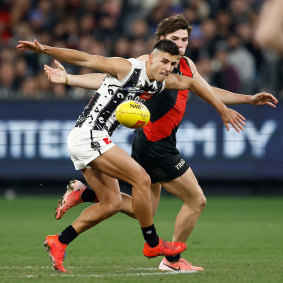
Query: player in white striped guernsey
100	112
100	161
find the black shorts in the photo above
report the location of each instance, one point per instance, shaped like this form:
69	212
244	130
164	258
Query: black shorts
162	169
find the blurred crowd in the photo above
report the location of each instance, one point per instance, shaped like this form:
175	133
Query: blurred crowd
221	43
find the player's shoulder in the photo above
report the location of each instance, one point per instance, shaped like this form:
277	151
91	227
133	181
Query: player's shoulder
188	60
118	62
135	62
143	57
191	64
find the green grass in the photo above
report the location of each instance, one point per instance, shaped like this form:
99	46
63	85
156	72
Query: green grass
235	240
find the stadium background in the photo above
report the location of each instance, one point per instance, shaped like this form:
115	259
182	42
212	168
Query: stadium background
36	114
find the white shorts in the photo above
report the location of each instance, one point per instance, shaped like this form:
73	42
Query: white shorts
85	145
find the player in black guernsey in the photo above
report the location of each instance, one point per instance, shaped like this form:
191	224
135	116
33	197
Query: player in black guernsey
155	145
161	159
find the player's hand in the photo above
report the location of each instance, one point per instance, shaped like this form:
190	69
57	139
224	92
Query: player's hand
263	98
34	46
56	75
230	116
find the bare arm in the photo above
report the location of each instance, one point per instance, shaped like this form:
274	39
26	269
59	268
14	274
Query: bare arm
261	98
87	81
228	97
182	82
59	75
228	115
117	67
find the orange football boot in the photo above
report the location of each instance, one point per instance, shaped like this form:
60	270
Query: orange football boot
71	198
56	251
164	248
180	265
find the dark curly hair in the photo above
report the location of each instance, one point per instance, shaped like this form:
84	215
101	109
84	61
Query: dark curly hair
171	24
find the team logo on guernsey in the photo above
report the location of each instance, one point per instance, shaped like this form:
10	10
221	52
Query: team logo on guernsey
146	95
95	145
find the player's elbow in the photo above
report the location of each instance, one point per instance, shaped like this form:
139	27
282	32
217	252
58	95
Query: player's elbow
194	86
86	63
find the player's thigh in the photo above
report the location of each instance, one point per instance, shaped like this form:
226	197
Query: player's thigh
105	187
118	164
185	187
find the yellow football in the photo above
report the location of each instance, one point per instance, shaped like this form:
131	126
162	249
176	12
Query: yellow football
132	114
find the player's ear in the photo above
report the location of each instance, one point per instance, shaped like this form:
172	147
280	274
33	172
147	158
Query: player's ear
162	37
150	58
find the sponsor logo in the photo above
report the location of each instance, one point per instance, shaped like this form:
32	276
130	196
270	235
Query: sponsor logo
180	164
107	140
139	124
136	106
133	89
176	269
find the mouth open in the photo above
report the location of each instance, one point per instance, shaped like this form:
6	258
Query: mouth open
165	74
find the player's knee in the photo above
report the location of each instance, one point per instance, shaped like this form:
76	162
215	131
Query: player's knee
116	205
197	204
112	206
202	203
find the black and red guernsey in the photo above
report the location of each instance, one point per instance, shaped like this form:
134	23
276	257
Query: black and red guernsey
167	110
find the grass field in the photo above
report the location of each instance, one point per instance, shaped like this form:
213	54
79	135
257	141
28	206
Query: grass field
235	240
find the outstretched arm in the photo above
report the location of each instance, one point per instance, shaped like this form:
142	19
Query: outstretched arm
261	98
59	75
117	67
229	116
87	81
228	97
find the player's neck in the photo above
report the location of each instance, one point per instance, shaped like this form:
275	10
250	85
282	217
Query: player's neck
179	61
148	71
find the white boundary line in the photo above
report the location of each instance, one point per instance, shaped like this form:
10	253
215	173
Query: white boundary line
103	275
92	275
73	267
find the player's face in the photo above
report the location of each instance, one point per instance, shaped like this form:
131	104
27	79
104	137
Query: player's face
180	37
161	65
